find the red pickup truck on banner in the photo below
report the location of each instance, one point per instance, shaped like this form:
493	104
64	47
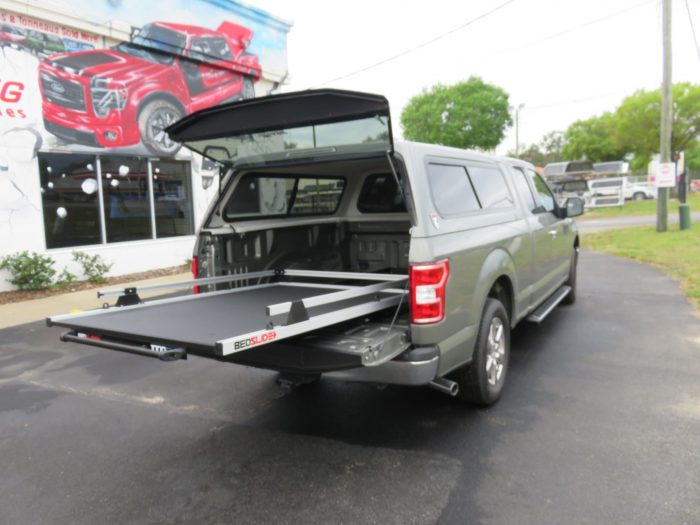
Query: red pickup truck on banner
119	97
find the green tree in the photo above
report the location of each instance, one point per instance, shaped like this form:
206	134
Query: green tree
692	156
593	139
470	114
531	153
552	145
638	120
548	149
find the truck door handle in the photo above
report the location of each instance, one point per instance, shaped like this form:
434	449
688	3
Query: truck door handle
553	233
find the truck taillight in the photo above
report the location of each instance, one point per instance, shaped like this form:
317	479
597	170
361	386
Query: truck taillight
195	272
428	291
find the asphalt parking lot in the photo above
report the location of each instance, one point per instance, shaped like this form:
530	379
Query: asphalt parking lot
600	423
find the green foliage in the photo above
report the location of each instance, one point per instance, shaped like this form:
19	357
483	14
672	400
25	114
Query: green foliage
552	145
592	139
692	156
94	267
632	131
638	123
29	271
470	114
64	279
549	149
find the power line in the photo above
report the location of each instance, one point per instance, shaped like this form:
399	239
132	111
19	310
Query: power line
692	27
419	46
575	28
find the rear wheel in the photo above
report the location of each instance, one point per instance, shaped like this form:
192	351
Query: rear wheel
153	119
481	381
639	196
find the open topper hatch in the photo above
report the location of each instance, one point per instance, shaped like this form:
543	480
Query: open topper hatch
300	125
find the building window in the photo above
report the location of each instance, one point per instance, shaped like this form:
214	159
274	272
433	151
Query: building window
140	198
70	199
172	200
126	198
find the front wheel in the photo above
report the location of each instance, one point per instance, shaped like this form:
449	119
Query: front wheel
153	119
639	196
481	381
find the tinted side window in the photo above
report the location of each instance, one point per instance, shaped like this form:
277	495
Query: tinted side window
490	187
380	194
523	188
452	192
543	192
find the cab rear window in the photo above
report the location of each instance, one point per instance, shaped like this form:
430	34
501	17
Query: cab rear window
461	189
381	194
257	196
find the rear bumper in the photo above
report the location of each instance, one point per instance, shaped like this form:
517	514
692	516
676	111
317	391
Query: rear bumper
418	366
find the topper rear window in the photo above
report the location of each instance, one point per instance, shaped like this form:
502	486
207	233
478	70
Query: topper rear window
258	196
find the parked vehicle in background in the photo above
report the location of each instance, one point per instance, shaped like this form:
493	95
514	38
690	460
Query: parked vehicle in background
631	189
695	185
612	168
331	250
75	45
556	170
568	187
11	36
43	44
130	93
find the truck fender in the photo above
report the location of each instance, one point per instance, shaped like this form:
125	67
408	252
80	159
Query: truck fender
498	263
145	96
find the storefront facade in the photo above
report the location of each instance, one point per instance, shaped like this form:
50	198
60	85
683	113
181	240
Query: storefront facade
86	88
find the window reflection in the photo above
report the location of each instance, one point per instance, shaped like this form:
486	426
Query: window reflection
69	198
126	203
171	196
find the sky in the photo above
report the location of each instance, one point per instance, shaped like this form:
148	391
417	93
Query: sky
563	60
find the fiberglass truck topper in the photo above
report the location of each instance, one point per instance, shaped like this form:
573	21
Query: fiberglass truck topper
331	250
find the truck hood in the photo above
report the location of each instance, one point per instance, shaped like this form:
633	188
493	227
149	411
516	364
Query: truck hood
105	63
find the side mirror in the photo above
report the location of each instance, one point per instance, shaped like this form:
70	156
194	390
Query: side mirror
574	207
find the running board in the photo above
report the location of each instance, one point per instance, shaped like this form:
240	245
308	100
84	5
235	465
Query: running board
546	308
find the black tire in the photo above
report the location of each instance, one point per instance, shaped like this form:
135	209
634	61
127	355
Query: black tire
475	385
639	196
571	281
153	118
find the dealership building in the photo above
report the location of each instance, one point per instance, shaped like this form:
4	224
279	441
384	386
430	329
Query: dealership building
86	89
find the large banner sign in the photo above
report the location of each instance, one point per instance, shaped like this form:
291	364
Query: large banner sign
68	88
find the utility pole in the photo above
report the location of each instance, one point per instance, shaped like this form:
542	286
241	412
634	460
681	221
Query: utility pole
517	128
666	118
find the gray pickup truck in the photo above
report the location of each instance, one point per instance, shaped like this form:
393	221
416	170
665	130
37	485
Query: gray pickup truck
333	250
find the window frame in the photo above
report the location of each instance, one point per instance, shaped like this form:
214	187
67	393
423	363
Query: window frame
97	159
528	182
533	175
364	185
288	215
505	185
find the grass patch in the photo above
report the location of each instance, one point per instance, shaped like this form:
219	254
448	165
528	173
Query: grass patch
635	208
675	252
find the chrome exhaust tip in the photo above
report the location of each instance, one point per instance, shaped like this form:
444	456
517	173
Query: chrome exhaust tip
445	386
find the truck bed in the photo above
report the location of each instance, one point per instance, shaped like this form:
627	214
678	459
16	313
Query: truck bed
225	322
